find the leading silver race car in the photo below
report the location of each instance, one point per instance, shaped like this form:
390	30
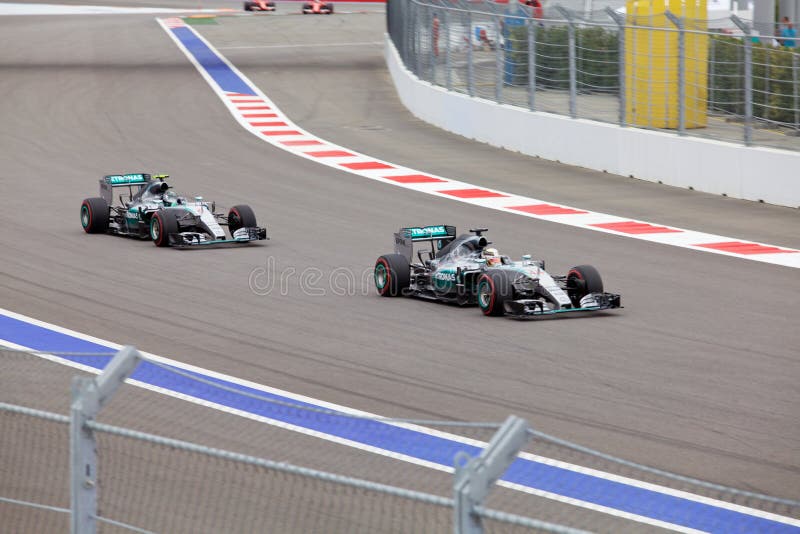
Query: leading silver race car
152	210
464	270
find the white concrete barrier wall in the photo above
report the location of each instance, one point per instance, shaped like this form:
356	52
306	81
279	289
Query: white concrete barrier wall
750	173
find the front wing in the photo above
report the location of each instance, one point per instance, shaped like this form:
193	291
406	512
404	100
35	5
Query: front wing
194	239
532	308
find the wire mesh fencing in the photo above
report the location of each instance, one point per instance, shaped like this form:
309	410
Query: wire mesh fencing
575	486
34	472
182	450
695	76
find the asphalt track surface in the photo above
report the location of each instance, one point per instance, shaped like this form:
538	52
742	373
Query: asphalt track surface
697	375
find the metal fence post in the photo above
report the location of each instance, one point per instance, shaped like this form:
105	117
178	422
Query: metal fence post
403	23
573	71
470	59
767	76
681	71
89	395
448	75
474	477
407	33
498	59
796	94
417	41
623	102
407	30
432	21
712	72
748	79
532	64
83	462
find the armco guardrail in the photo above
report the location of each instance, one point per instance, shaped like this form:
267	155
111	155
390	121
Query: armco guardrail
237	459
721	116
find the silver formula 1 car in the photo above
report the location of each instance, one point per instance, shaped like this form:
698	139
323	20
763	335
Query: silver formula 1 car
466	271
149	209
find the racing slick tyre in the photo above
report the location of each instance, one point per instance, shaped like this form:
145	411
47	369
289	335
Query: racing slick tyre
304	10
495	287
248	6
94	215
330	9
581	281
392	275
241	216
163	223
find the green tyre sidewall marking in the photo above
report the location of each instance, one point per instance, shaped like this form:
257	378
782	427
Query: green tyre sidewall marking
86	217
484	296
157	234
381	273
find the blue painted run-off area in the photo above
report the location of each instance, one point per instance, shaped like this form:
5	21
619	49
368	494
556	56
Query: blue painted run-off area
411	443
223	75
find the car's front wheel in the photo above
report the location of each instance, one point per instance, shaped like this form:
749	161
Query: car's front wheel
494	289
241	216
581	281
392	275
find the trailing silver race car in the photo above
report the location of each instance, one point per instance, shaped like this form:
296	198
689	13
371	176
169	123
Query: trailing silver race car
150	209
466	271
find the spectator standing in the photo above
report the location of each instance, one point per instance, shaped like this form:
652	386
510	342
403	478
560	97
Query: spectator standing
435	31
788	33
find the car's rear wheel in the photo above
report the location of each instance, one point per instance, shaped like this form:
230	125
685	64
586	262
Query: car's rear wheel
392	275
581	281
248	6
241	216
494	289
163	223
94	215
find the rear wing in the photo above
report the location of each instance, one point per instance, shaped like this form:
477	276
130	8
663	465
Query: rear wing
439	236
110	181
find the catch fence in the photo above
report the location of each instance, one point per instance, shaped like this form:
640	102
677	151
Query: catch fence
170	449
716	79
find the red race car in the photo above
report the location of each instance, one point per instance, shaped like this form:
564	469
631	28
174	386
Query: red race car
317	7
259	5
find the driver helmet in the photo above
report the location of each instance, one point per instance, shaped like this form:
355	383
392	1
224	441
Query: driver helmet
492	257
170	197
157	188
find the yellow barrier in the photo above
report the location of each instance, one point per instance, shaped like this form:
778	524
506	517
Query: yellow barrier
651	63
